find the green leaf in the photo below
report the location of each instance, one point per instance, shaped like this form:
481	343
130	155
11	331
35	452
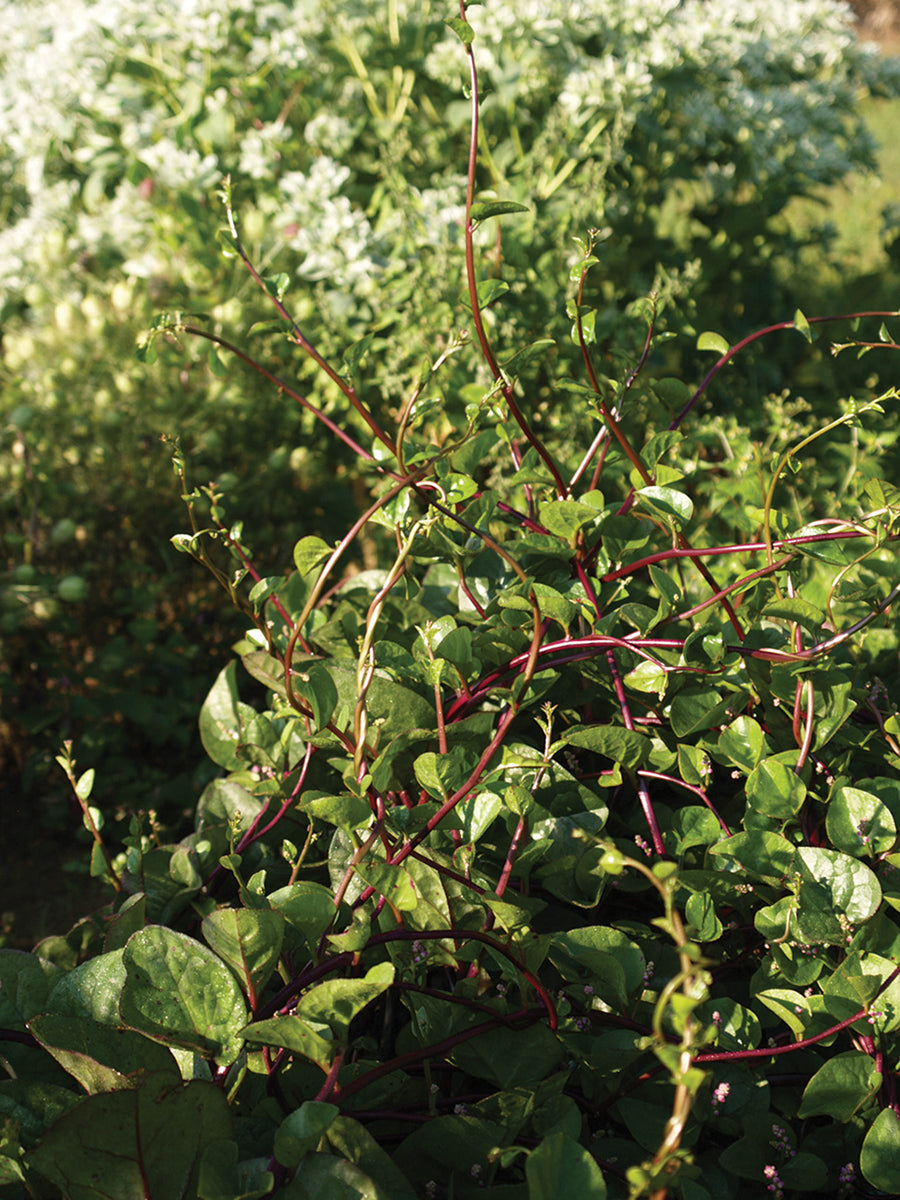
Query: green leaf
223	720
317	688
550	602
249	941
100	1057
322	1176
696	708
489	290
129	1145
178	992
354	356
561	1167
392	707
227	244
302	1130
265	668
346	812
495	208
714	342
796	609
880	1157
225	802
762	854
25	983
277	285
859	824
441	774
216	366
648	676
223	1177
743	743
296	1035
510	1058
693	764
790	1006
774	789
840	1087
478	813
667	502
851	888
394	883
625	746
307	906
702	921
447	1148
565	518
528	354
91	990
461	28
605	957
311	552
802	325
337	1001
695	826
353	1142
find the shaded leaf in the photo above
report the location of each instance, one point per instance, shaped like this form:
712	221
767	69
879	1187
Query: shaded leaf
130	1145
101	1058
561	1167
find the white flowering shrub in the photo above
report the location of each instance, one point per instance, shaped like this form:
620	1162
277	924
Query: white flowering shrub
679	130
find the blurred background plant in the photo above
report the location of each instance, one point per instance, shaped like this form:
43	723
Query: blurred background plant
724	151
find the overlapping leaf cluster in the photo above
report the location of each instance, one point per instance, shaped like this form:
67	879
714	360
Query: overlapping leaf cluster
556	850
684	129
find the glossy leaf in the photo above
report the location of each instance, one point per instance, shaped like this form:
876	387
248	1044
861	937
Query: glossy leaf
223	720
323	1175
841	1086
337	1001
293	1033
307	906
249	941
625	746
775	789
667	502
179	992
859	824
880	1157
394	883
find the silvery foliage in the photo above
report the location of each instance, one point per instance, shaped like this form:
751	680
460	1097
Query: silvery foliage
80	91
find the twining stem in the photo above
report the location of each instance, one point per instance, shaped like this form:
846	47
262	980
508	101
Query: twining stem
471	278
296	333
643	791
338	432
67	762
753	337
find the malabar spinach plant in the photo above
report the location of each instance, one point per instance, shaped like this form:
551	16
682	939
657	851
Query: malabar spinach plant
693	124
554	852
